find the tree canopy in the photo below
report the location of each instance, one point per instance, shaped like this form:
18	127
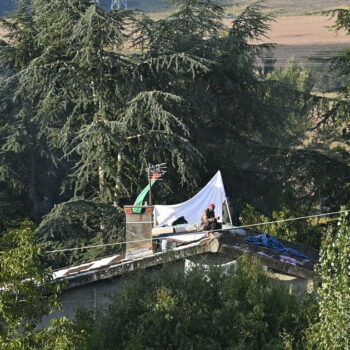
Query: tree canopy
214	308
90	97
27	294
332	329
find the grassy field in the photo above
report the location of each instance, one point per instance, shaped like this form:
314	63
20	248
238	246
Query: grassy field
294	33
294	7
305	30
2	33
305	37
278	7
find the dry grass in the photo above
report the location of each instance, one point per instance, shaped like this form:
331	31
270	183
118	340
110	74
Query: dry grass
304	37
2	33
305	30
327	94
299	36
294	33
159	8
293	7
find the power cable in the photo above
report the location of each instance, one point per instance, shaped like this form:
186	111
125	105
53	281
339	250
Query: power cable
95	246
219	230
294	219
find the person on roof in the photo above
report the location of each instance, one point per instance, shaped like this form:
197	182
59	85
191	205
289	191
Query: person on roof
209	220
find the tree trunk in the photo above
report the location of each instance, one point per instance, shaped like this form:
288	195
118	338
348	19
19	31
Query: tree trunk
101	182
117	186
33	196
102	188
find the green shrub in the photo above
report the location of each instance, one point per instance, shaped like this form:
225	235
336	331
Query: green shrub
306	231
27	294
238	309
333	327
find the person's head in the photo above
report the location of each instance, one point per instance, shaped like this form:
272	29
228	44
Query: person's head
211	207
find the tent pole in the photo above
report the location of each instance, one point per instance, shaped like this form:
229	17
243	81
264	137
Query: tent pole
228	211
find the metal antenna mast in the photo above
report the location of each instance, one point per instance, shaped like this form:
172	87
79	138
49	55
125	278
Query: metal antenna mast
154	172
118	4
115	4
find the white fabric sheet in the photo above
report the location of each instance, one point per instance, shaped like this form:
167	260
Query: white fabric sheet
192	210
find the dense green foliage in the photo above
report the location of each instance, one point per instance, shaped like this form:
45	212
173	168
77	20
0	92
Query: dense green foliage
89	97
27	294
236	309
79	223
308	232
298	7
333	328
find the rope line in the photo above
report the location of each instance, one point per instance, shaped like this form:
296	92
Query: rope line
225	229
295	219
95	246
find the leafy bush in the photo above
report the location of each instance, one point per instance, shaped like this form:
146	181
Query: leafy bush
27	294
333	328
238	309
306	231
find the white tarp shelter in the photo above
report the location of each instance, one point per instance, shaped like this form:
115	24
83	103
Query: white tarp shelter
213	192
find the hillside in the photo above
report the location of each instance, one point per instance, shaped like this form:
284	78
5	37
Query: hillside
279	7
305	37
5	6
147	5
296	7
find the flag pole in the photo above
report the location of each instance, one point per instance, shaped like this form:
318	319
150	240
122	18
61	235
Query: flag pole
228	211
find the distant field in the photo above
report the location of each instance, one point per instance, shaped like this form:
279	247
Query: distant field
301	36
304	37
295	32
278	7
295	7
305	30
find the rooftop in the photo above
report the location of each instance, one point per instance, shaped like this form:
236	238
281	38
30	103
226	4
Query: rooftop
230	241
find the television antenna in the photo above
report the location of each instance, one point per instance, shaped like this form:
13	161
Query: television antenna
118	4
115	4
154	172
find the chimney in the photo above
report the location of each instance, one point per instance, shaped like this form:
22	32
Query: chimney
138	225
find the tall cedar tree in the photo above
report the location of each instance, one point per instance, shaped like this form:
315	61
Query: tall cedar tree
91	96
27	160
331	131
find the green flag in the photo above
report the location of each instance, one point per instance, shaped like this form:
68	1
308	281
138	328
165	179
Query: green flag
141	197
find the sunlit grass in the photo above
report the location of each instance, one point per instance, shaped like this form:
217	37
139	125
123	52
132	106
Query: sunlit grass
159	8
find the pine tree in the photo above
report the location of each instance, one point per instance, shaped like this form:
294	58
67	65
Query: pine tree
28	163
90	97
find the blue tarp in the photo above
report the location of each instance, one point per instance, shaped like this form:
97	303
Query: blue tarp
268	241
